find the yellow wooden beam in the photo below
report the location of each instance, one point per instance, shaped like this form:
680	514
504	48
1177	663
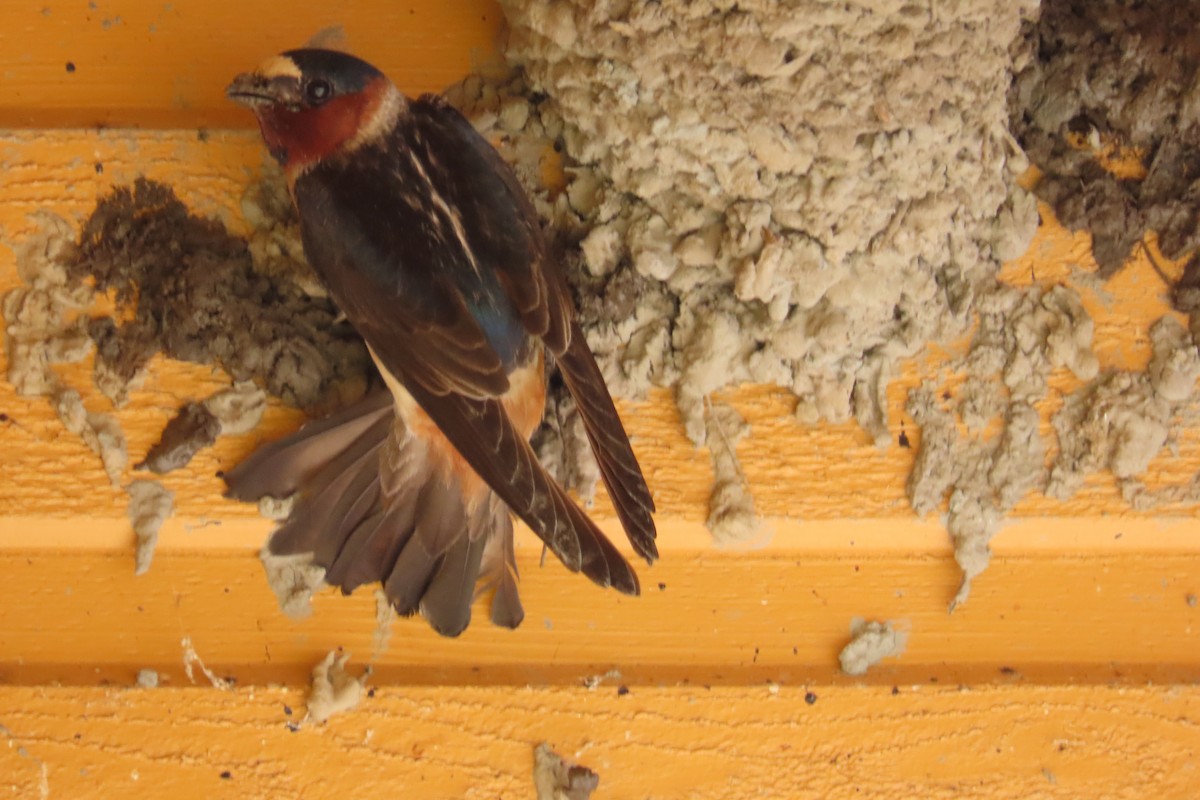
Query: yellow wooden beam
166	64
1098	615
998	742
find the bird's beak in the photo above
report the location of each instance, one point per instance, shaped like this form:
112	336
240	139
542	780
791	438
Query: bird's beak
256	91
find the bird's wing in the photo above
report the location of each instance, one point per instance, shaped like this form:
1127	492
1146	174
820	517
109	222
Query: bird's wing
436	289
498	218
530	277
392	260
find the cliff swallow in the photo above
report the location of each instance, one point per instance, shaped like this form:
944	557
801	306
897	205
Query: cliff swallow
429	246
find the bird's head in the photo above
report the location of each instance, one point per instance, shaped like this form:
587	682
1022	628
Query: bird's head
313	103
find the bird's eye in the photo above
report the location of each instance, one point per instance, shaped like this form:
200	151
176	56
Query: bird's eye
318	91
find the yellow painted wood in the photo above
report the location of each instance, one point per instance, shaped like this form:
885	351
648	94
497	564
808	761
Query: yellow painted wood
165	63
1085	600
1085	590
1119	614
998	742
843	475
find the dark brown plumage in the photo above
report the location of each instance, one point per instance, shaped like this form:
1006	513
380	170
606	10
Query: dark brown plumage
429	246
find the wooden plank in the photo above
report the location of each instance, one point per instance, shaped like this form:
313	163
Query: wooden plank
720	744
158	64
1098	615
841	472
831	499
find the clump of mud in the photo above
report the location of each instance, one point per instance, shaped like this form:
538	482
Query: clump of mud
186	287
555	778
44	318
150	505
334	690
1099	87
982	450
232	411
794	194
46	325
1023	335
871	642
188	432
1110	77
804	195
192	291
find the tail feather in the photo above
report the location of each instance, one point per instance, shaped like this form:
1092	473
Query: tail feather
373	503
447	601
364	490
441	520
507	611
376	503
357	515
500	568
618	465
486	438
324	501
278	469
369	553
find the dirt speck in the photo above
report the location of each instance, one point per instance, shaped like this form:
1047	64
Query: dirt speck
593	682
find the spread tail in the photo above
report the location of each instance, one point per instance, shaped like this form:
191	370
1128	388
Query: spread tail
374	503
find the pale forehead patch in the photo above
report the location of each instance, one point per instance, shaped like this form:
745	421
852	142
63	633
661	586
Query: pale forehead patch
278	67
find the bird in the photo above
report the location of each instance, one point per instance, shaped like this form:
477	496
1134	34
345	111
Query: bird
431	249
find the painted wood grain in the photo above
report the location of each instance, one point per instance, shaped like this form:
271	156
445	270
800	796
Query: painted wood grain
823	472
831	499
165	64
705	618
720	744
